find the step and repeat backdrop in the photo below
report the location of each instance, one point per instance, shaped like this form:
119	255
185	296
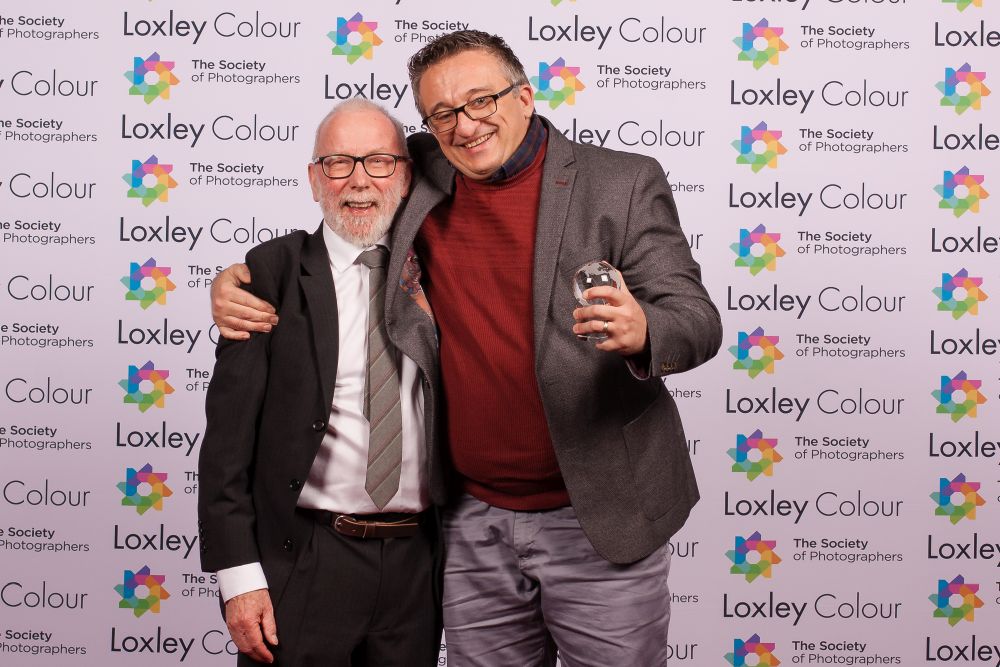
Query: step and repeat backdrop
832	161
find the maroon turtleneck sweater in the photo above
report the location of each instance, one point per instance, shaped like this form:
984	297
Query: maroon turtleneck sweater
478	254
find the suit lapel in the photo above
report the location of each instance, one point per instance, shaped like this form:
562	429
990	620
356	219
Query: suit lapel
558	177
321	298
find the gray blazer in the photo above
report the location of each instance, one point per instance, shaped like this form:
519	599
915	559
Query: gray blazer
618	440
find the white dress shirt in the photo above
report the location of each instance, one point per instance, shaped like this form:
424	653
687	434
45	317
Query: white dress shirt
336	481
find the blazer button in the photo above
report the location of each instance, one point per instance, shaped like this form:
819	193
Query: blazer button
295	485
288	545
319	425
203	547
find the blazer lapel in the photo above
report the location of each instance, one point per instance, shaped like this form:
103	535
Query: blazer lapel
321	298
558	177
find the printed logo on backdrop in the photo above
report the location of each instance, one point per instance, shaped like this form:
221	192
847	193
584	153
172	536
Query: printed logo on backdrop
557	83
144	489
759	147
354	38
753	557
151	78
956	601
962	5
141	591
959	396
961	191
146	387
755	352
963	89
757	250
760	44
148	283
754	455
957	498
752	652
150	181
960	294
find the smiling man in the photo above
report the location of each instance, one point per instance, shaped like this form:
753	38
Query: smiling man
314	472
569	457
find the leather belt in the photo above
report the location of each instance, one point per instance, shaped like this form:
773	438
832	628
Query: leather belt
373	526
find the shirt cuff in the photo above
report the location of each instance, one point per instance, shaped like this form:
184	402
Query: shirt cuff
241	579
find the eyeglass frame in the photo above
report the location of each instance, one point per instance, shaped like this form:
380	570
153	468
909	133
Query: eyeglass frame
357	159
496	105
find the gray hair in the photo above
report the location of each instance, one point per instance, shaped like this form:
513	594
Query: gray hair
362	104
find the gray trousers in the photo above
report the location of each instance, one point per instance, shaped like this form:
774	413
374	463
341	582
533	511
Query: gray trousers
519	585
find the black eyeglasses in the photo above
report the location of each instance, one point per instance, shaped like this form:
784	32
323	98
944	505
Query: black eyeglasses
376	165
475	109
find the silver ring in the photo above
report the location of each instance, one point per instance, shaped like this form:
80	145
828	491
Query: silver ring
605	329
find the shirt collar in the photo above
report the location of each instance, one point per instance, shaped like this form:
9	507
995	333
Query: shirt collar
525	153
344	254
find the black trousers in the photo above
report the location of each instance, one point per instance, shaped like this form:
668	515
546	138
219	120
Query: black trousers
361	603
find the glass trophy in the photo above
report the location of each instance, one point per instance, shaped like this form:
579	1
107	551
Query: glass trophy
596	273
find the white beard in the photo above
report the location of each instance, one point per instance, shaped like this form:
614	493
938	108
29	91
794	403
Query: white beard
362	231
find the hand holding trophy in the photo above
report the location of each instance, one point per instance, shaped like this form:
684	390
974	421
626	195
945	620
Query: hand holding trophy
596	273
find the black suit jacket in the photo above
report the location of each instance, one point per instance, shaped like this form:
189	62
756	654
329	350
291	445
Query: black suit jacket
269	401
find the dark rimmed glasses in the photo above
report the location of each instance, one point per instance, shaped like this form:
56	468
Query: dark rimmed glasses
477	108
376	165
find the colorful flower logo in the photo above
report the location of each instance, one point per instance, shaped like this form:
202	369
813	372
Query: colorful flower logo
956	600
134	599
760	44
354	38
753	557
556	3
759	147
147	396
755	352
556	83
962	5
150	180
743	649
945	498
755	455
947	403
142	497
757	250
960	294
148	283
961	191
962	88
151	78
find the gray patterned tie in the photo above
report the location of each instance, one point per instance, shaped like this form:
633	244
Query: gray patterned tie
385	422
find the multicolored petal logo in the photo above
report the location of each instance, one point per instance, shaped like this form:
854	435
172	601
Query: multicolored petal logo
555	3
148	283
151	78
354	38
755	352
135	598
150	180
960	5
147	395
755	455
757	250
753	557
949	403
759	147
760	44
556	83
743	649
962	88
957	498
956	600
960	294
961	191
144	489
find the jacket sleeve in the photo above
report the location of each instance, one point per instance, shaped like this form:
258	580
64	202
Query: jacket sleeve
226	520
684	326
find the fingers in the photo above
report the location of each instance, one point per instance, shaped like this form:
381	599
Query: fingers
268	625
239	272
599	312
233	334
615	297
244	616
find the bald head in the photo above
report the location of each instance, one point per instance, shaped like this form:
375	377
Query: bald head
359	105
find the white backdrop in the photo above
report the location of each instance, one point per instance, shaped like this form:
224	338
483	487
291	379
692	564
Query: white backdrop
831	160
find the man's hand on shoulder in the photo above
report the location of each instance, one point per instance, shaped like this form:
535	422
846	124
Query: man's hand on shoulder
250	620
237	312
